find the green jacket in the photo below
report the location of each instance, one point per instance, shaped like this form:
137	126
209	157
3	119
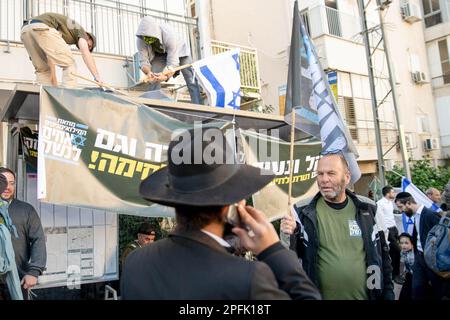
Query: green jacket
130	247
70	30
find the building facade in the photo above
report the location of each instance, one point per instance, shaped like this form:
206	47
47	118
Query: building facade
335	28
437	38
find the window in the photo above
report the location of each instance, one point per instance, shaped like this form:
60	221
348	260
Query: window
423	124
445	61
333	18
305	16
347	109
431	12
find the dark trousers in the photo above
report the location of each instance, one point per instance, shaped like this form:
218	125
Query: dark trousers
394	250
4	292
159	62
423	277
405	293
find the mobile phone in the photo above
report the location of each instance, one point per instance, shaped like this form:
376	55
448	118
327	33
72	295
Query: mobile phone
233	216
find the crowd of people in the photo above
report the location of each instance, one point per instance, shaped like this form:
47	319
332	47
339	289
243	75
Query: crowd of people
342	247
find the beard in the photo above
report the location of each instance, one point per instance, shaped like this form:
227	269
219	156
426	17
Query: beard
333	194
409	212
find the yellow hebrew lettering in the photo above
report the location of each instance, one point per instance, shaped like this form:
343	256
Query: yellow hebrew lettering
147	168
112	162
131	167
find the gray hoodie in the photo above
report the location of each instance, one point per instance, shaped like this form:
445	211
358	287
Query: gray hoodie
171	43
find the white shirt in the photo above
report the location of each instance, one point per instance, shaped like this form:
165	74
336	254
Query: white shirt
417	225
385	208
222	242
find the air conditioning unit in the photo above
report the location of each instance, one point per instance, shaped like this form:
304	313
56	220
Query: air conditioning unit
430	144
419	77
410	12
383	3
411	142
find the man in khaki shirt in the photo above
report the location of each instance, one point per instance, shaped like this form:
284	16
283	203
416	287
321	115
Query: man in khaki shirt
47	38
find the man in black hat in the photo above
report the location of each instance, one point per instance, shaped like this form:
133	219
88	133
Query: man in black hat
194	262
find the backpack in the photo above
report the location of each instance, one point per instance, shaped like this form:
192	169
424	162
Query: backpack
437	248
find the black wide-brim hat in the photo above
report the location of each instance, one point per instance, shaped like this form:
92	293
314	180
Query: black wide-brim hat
203	184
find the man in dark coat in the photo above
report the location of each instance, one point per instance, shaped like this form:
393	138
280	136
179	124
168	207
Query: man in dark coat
29	246
336	237
194	262
424	220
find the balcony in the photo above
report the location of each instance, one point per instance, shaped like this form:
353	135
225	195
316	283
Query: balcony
337	37
113	22
440	81
322	20
248	58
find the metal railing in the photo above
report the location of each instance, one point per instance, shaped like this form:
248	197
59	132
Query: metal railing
248	58
114	23
442	80
322	20
366	136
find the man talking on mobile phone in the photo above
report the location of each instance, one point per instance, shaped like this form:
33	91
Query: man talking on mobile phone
193	262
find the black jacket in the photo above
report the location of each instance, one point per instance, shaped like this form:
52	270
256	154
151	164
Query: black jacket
192	265
305	242
428	219
29	248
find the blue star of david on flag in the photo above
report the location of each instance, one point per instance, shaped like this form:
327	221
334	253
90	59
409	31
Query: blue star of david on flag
219	76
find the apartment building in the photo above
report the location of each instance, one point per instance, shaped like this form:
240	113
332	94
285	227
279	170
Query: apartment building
335	28
436	15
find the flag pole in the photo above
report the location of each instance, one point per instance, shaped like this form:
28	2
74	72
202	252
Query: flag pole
146	80
285	238
291	161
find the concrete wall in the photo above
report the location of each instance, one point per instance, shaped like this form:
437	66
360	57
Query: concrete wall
262	24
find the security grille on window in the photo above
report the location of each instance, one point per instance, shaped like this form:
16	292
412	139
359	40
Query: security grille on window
431	12
347	109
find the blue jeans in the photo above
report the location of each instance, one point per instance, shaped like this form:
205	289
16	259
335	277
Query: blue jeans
159	62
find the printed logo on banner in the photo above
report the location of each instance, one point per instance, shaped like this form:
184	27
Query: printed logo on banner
355	231
63	139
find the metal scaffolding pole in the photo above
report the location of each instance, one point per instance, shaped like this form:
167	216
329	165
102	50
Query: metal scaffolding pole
376	120
394	98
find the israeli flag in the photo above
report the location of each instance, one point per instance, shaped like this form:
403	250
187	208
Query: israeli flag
419	196
219	75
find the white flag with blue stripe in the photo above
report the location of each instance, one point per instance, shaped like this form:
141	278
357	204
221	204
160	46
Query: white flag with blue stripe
219	75
419	196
